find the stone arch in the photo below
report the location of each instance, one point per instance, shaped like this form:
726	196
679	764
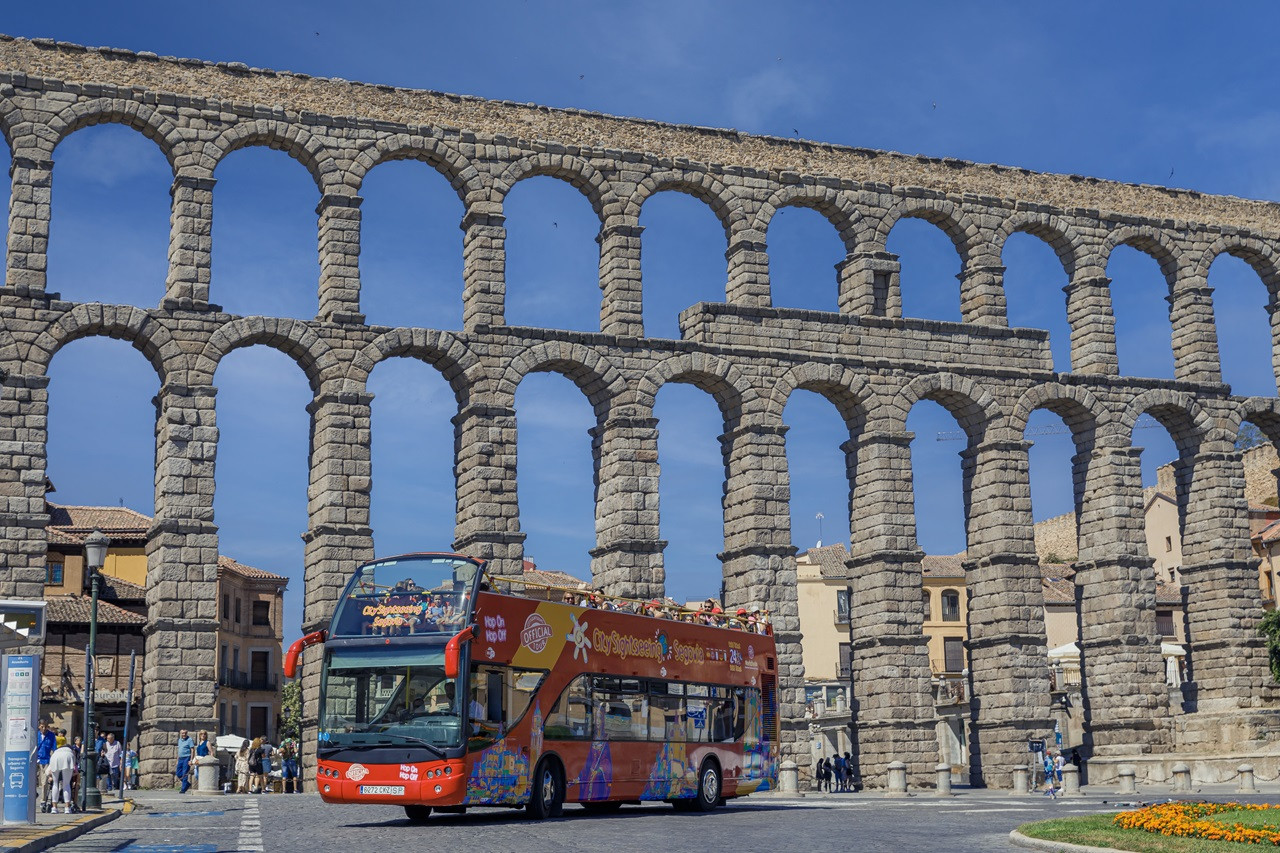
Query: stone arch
837	207
707	188
1258	254
294	338
466	180
284	136
1080	410
945	214
598	379
11	118
1177	411
973	407
1148	240
576	171
459	366
845	389
735	396
1059	234
140	117
122	322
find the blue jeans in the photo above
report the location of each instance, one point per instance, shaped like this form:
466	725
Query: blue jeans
184	772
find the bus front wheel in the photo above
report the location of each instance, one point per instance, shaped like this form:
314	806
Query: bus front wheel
418	814
708	787
547	798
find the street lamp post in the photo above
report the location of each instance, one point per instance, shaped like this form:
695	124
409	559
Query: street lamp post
95	554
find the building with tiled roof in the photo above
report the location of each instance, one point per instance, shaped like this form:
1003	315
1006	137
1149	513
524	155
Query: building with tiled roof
249	635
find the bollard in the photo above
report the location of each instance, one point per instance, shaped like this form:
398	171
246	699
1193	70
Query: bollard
1246	779
944	780
1127	774
1181	778
897	780
1070	781
789	778
1020	779
207	774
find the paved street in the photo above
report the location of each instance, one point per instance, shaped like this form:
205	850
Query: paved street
971	821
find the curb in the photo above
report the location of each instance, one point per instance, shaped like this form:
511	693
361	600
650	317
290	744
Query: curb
1021	840
62	834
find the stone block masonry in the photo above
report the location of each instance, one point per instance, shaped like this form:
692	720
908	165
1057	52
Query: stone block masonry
872	363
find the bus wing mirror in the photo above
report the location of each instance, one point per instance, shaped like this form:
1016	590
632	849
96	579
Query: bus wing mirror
291	658
453	651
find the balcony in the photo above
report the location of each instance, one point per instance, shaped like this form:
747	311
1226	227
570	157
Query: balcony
247	681
950	689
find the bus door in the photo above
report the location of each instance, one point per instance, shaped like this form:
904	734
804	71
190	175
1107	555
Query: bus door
622	719
497	702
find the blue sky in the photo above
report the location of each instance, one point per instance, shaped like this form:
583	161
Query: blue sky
1170	93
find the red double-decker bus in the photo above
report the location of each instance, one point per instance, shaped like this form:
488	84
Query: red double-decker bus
441	693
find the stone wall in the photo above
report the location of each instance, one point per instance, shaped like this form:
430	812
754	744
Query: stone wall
867	359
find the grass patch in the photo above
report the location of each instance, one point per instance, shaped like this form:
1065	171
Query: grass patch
1098	831
1248	817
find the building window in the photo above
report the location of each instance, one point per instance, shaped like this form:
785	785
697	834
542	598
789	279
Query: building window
842	606
953	652
222	716
262	613
222	668
226	606
846	655
53	573
235	718
950	606
235	661
1168	544
1164	623
237	611
927	600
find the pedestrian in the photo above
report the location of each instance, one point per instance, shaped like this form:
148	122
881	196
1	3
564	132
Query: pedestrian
849	771
1058	763
46	743
255	766
202	744
242	768
114	753
104	766
77	746
186	748
131	759
62	767
817	775
1049	789
837	764
289	765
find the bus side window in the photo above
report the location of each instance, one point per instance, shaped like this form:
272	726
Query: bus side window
570	719
666	711
740	713
697	713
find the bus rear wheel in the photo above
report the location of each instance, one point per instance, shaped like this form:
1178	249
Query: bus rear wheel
418	814
547	797
708	787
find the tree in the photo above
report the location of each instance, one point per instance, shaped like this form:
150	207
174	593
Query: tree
1269	627
1249	436
291	710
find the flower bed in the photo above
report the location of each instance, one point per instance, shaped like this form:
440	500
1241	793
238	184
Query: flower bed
1196	820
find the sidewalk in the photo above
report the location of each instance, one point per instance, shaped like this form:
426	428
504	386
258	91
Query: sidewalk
51	829
1111	793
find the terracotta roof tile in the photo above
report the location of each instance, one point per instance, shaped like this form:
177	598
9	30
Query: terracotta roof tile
116	521
944	565
553	578
75	610
1168	593
248	571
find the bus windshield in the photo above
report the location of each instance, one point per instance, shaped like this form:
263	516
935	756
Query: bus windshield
426	594
372	698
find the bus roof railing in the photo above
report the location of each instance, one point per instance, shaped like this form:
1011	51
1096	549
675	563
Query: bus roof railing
654	608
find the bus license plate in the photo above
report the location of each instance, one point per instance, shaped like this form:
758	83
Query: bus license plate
383	790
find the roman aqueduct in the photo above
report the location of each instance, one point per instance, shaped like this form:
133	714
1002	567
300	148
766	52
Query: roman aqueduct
868	359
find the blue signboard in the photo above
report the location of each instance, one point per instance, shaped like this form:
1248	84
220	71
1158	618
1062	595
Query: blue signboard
20	686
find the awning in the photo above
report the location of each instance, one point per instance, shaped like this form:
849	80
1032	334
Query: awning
1068	652
1172	650
230	743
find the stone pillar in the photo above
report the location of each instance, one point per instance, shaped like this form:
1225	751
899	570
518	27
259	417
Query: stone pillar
748	259
26	267
339	228
621	307
870	284
1126	702
484	267
982	299
759	560
338	536
1227	658
1195	336
488	522
190	243
1008	662
892	689
179	674
627	559
24	414
1093	325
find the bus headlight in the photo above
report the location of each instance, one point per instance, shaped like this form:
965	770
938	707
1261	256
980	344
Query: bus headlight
439	789
448	771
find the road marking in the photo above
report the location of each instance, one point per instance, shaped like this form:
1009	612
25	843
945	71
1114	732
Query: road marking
250	840
188	814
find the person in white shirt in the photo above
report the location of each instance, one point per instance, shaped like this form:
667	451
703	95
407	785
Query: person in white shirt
62	766
114	751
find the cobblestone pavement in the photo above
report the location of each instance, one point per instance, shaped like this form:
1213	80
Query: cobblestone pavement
971	821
